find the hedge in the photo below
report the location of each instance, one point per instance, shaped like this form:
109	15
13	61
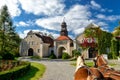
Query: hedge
52	56
15	72
65	55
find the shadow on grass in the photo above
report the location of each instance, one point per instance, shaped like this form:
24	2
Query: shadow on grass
31	73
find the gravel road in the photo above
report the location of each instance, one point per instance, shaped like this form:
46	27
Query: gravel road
62	70
55	69
58	70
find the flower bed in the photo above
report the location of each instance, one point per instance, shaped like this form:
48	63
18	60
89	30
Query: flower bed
18	69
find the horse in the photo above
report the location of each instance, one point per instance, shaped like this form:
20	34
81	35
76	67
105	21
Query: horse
109	73
83	72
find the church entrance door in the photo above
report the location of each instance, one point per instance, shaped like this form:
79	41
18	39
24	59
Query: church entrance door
60	52
30	52
91	52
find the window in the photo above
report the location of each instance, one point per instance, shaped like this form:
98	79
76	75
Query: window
29	43
32	42
38	50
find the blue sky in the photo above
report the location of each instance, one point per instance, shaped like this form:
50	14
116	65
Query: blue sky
47	15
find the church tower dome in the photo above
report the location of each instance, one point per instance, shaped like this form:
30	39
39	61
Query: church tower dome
64	31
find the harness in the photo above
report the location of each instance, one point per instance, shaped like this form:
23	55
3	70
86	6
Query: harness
89	72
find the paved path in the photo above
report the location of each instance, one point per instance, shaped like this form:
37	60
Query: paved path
56	69
62	70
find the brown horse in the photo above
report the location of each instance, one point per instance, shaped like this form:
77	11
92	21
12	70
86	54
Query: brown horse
109	73
85	73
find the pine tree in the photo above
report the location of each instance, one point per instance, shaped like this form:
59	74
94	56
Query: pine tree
9	40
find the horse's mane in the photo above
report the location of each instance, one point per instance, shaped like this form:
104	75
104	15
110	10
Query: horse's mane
80	62
102	60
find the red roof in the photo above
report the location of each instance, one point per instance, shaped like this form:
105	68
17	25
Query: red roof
63	38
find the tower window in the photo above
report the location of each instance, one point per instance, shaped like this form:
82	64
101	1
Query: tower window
38	50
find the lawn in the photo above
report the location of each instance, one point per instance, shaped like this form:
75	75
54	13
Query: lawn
87	63
35	73
90	64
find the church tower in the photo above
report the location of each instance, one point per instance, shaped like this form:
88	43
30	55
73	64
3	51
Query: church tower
63	43
64	31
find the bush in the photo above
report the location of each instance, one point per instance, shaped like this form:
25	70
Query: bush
110	55
0	57
65	55
35	57
15	72
52	56
8	56
76	53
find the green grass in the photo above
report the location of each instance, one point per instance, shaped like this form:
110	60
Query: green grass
35	73
87	63
112	64
90	64
35	57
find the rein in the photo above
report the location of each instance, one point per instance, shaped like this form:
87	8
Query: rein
90	72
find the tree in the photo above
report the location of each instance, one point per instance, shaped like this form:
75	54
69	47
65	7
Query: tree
76	53
92	32
115	47
5	25
9	40
104	42
117	31
114	50
103	38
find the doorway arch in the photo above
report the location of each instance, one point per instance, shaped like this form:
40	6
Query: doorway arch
30	52
60	51
91	53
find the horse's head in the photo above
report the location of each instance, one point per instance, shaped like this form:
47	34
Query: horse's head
80	62
100	61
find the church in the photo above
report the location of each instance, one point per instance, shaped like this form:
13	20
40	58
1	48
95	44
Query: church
39	44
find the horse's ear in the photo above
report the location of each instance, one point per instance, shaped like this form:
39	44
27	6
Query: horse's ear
82	56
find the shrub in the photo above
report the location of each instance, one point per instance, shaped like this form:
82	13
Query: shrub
76	53
35	57
8	56
15	72
0	57
52	56
65	55
110	55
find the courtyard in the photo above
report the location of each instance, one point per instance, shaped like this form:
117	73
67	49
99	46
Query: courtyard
58	69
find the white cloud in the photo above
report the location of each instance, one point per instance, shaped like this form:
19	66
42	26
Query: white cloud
106	10
95	5
43	7
101	16
21	23
24	24
102	24
13	6
110	18
78	31
52	23
24	33
113	17
76	17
